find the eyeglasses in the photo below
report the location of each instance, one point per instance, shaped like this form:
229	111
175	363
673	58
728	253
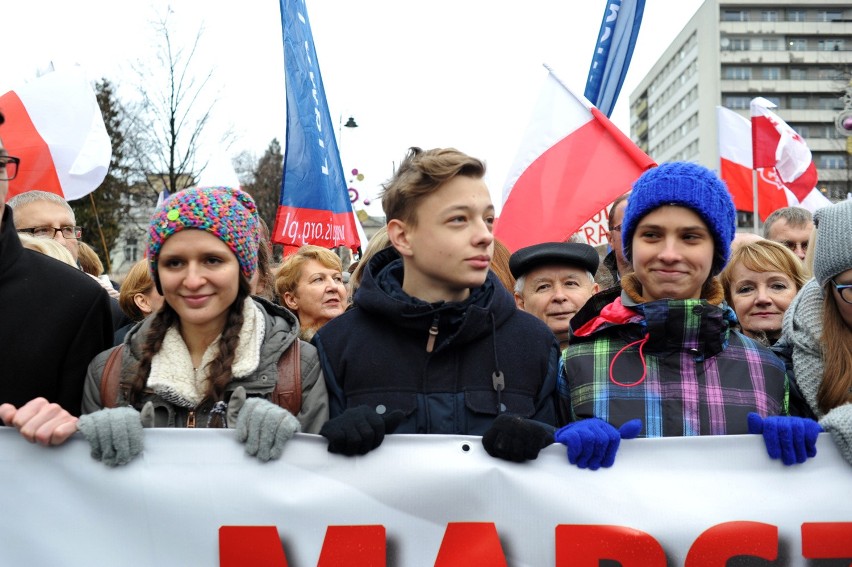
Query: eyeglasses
616	228
845	291
69	232
9	167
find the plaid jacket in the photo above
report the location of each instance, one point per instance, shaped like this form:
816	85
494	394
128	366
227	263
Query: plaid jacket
674	364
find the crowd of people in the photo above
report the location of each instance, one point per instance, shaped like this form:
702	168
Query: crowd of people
683	329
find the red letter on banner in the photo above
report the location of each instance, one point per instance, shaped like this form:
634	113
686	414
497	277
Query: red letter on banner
353	546
250	545
723	541
470	543
826	540
585	546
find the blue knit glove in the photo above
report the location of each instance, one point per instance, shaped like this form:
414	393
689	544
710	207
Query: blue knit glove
114	434
265	427
791	439
592	443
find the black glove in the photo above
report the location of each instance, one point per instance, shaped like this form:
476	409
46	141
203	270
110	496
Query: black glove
357	431
514	438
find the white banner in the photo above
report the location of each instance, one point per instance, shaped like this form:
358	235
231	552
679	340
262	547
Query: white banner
440	499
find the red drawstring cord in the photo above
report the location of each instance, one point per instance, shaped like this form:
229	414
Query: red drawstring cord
641	342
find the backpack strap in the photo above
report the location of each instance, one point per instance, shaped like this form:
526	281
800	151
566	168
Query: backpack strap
111	378
288	390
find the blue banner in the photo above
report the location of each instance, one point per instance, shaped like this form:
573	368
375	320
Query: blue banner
616	40
314	206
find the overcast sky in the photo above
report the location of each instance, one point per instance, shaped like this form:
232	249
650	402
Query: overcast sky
461	73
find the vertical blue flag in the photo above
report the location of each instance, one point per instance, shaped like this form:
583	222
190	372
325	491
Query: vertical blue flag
314	206
616	40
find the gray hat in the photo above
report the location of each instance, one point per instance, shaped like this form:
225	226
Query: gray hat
560	253
833	251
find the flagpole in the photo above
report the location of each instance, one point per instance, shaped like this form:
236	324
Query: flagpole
754	189
101	231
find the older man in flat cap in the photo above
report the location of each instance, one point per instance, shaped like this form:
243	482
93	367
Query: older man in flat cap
553	280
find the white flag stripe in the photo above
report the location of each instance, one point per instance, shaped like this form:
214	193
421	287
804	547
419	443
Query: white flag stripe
557	113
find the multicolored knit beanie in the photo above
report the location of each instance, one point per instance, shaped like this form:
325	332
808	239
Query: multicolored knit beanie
687	185
228	214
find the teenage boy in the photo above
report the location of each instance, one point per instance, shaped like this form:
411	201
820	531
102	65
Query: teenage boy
434	342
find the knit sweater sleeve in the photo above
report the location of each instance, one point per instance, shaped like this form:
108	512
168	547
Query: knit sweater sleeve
838	422
802	327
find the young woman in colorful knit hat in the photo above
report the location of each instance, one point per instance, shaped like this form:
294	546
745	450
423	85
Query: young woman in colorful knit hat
210	356
660	357
817	328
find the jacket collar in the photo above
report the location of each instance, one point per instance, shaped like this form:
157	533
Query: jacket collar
10	245
488	306
696	325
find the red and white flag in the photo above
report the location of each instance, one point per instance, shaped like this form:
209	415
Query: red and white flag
776	146
571	164
735	156
55	126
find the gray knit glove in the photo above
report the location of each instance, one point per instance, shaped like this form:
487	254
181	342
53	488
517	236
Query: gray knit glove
839	423
115	434
265	427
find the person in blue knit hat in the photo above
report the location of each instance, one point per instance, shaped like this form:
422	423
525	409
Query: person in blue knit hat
660	357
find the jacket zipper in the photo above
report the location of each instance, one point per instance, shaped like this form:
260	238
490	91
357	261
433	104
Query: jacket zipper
433	334
190	418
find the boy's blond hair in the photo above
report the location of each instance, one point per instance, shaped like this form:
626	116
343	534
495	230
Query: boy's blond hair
422	173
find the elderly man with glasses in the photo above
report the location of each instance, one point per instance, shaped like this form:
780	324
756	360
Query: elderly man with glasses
53	321
47	215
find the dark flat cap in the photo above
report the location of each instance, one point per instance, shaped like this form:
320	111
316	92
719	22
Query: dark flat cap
559	253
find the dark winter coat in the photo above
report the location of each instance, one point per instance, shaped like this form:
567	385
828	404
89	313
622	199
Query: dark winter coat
53	321
488	357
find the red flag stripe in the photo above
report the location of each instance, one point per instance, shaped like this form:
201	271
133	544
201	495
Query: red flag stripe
765	139
21	139
572	163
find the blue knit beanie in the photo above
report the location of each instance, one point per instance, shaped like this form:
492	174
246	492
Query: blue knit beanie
686	185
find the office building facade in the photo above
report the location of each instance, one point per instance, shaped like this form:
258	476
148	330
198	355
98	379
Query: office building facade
797	54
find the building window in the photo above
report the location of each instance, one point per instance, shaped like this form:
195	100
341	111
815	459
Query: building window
829	132
831	75
769	16
830	45
829	15
798	102
830	103
771	73
798	74
738	73
740	44
131	250
771	45
737	102
795	15
832	161
734	16
798	45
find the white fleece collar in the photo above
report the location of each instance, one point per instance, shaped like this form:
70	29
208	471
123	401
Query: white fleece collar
172	376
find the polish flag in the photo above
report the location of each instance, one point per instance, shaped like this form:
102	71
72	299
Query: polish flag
735	156
571	164
55	126
777	146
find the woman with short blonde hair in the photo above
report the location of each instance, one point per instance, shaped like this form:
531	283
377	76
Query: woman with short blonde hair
760	281
310	284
